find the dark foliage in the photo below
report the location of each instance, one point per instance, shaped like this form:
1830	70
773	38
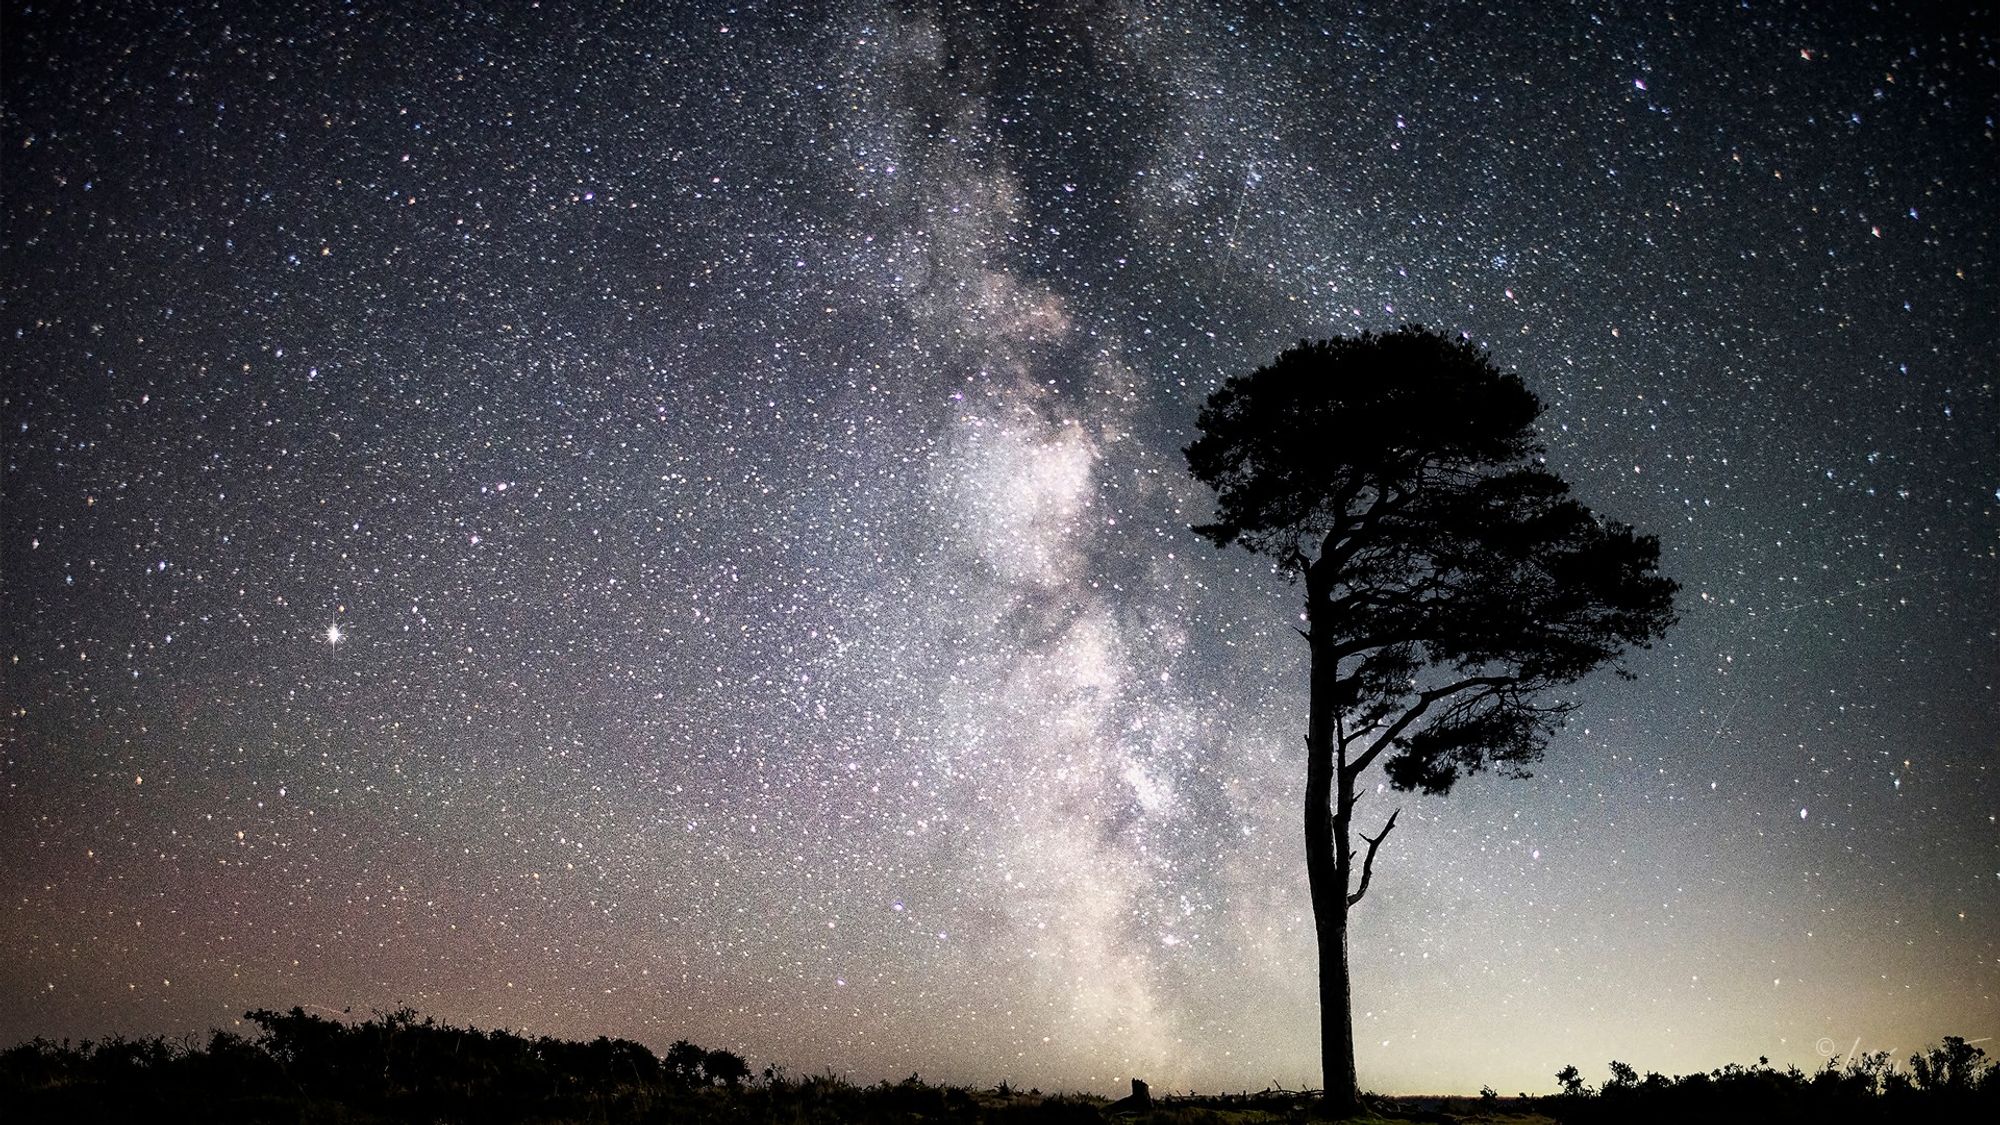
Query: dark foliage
1951	1082
1291	446
399	1067
726	1067
1451	578
392	1067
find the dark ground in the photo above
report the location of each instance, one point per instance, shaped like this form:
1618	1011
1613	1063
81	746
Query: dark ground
400	1068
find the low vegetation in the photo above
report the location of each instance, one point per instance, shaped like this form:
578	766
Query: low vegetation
1953	1081
399	1067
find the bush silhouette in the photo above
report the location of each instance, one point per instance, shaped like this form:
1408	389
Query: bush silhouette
726	1067
400	1067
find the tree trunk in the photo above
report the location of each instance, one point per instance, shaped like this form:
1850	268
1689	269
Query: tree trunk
1327	875
1336	1018
1327	865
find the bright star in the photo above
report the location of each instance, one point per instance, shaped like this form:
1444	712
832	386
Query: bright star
333	635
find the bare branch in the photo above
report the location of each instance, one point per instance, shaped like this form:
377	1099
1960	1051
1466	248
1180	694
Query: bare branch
1368	861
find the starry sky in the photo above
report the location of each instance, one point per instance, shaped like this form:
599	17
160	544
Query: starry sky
668	521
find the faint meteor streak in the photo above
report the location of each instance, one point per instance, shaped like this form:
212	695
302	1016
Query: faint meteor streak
1250	179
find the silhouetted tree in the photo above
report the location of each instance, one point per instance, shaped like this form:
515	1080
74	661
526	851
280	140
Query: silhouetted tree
1451	584
683	1061
726	1067
1955	1065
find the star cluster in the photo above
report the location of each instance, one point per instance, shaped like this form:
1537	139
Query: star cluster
670	523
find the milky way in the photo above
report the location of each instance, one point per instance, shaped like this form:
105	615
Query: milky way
672	525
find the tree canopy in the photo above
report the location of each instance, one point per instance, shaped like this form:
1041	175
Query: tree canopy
1450	574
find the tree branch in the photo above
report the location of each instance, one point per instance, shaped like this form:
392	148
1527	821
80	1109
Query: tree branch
1343	782
1356	531
1424	703
1368	861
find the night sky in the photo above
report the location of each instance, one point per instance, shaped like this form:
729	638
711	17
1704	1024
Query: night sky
610	519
